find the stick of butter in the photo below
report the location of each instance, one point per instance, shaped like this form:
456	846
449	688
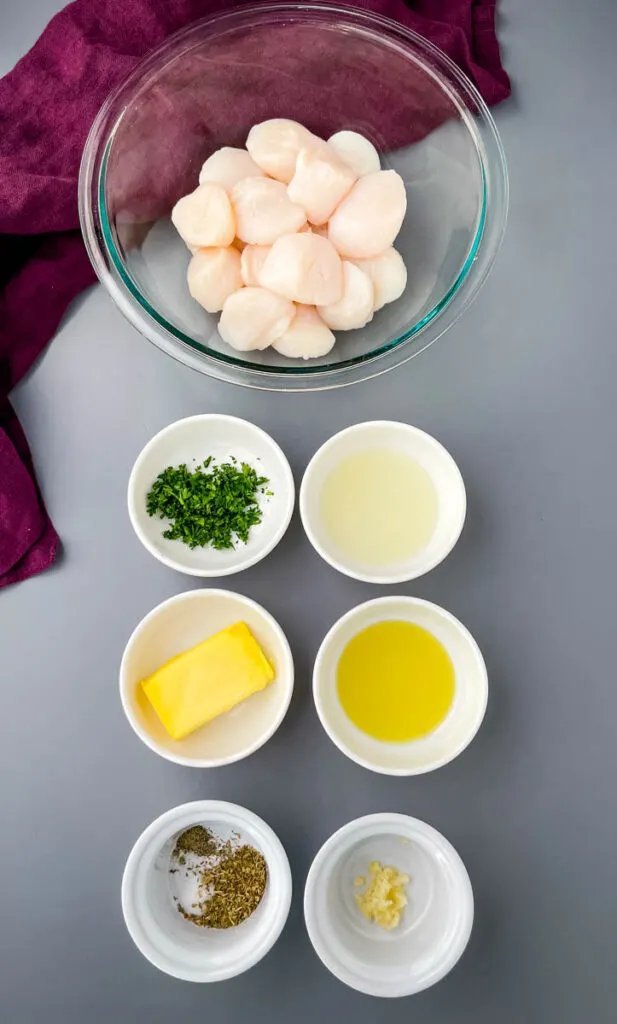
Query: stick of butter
207	680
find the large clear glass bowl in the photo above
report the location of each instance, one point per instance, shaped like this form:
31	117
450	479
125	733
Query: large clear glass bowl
331	68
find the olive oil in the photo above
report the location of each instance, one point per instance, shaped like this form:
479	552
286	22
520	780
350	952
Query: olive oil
395	681
379	507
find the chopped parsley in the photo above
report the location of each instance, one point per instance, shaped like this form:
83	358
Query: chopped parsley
209	505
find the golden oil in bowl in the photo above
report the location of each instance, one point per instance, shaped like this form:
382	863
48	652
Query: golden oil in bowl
395	681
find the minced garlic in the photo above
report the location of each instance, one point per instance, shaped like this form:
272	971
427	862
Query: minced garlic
385	897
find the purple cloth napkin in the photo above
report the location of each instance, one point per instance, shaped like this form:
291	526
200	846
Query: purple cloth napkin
47	104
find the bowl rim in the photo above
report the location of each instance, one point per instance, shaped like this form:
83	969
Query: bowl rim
318	683
288	675
381	577
287	499
182	816
341	839
479	261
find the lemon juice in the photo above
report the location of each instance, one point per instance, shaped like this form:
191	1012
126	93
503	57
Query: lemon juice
379	507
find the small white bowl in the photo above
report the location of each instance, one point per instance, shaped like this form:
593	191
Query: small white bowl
191	441
173	627
460	724
416	444
435	925
162	935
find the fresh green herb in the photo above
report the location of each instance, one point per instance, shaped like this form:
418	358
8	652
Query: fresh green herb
211	505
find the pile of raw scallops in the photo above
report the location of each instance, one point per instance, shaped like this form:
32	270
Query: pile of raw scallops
292	238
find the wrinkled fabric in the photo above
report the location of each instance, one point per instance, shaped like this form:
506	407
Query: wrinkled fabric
47	105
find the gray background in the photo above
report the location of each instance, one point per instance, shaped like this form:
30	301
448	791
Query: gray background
523	393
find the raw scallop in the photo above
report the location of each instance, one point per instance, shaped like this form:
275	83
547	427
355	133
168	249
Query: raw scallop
213	275
274	146
355	308
307	336
388	274
370	216
252	261
304	268
357	152
205	217
320	182
253	318
264	211
228	166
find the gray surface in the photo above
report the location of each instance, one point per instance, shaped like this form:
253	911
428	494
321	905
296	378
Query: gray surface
523	393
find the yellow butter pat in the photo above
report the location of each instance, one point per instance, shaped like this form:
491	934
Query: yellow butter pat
207	680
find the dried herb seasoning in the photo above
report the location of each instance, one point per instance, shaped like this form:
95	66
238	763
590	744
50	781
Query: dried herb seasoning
209	505
197	840
232	879
230	890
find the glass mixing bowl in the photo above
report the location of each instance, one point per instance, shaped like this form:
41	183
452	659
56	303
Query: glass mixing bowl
331	68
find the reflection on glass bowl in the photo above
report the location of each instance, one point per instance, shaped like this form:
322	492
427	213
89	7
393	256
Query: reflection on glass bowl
331	68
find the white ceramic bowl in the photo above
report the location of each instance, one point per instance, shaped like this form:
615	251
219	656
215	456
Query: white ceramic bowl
434	927
162	935
175	626
416	444
460	724
190	441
